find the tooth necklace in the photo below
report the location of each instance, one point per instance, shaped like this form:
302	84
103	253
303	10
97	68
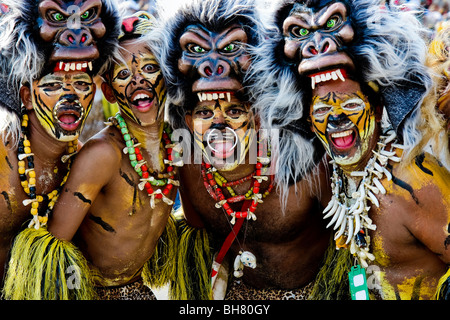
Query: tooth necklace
148	176
214	182
351	215
27	176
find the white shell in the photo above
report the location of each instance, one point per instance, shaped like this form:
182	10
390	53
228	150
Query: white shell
248	259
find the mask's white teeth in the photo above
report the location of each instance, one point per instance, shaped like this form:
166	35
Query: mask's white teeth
229	96
221	95
334	75
209	96
199	95
215	96
203	96
90	65
61	65
79	66
339	74
67	67
313	82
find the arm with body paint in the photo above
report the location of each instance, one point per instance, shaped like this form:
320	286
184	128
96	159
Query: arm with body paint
430	220
90	172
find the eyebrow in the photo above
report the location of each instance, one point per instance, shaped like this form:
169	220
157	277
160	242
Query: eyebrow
338	96
82	77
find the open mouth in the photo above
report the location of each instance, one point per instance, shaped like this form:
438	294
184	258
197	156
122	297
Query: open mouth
222	144
214	95
324	76
142	100
343	140
68	114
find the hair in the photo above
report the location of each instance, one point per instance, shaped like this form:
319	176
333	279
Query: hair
214	15
24	55
388	49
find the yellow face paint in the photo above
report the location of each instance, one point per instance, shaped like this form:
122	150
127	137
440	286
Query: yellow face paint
62	102
138	84
224	131
344	121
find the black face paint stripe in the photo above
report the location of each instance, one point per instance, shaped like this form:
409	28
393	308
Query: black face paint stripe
40	110
317	130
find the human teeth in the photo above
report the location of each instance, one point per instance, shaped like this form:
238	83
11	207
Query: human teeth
341	134
141	96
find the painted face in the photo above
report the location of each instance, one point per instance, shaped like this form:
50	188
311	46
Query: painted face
62	101
138	85
315	38
224	131
344	121
213	61
73	27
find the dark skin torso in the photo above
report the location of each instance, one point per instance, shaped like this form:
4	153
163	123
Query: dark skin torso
115	243
14	215
289	246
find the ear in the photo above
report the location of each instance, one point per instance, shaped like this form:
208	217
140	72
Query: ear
108	93
25	96
189	121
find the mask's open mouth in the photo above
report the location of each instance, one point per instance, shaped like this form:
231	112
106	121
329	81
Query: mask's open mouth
222	144
142	100
69	114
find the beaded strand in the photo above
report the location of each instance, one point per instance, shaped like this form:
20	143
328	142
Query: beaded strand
148	176
27	176
214	182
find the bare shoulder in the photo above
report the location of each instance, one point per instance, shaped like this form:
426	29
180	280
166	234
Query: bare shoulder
427	182
102	147
425	170
99	156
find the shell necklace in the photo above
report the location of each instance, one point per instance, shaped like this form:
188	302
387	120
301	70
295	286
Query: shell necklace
27	176
149	177
350	215
214	182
